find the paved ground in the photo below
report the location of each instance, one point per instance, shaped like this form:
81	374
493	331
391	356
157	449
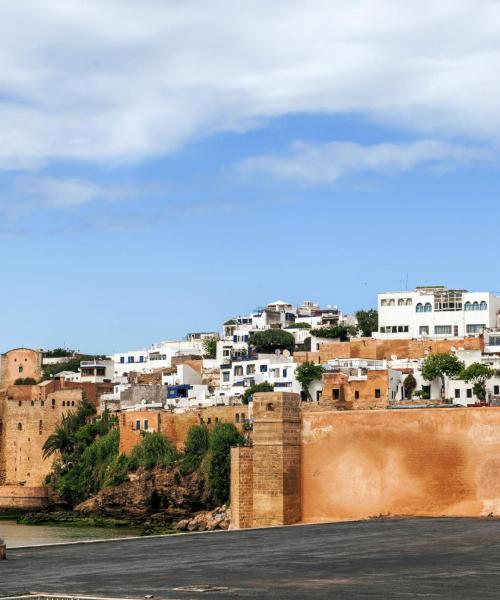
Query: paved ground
419	558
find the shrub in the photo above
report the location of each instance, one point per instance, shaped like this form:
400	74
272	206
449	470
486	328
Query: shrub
341	332
153	451
259	387
222	437
195	449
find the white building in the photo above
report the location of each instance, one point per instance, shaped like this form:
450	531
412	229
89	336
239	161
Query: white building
97	371
158	356
436	312
279	371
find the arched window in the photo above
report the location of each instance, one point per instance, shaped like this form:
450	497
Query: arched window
420	307
483	306
408	302
20	426
383	302
428	307
391	302
468	306
401	302
475	306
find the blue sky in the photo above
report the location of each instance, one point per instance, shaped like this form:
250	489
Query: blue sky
162	176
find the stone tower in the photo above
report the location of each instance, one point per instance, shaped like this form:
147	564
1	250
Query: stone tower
276	459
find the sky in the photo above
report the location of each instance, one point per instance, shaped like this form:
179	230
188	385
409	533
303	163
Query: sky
167	165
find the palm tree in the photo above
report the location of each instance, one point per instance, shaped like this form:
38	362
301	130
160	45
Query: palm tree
62	440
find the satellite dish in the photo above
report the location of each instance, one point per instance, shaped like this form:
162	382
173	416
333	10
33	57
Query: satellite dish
277	352
286	353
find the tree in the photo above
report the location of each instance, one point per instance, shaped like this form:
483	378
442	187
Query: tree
195	448
59	353
367	321
259	387
221	439
270	340
477	373
209	347
298	326
409	385
341	332
437	366
306	373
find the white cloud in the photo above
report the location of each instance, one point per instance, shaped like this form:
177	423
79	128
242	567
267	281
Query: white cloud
325	163
119	80
22	195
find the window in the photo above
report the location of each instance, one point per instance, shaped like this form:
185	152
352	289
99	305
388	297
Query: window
475	306
53	402
137	424
457	393
209	420
409	301
225	376
469	392
336	394
483	306
263	368
383	302
21	369
285	371
237	418
250	369
216	419
401	302
377	393
238	371
496	390
141	359
122	359
494	341
242	417
130	359
428	307
146	424
423	330
468	306
475	328
40	427
356	395
391	302
420	307
63	403
442	329
19	426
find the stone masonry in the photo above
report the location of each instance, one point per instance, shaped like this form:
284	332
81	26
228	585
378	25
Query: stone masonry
271	497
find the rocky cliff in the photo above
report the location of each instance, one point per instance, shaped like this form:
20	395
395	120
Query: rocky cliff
163	491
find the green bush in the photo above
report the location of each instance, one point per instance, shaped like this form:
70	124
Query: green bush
258	387
222	437
195	449
153	451
341	332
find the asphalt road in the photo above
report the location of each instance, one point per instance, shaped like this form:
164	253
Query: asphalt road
418	558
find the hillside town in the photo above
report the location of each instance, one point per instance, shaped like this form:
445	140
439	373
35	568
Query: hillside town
431	347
